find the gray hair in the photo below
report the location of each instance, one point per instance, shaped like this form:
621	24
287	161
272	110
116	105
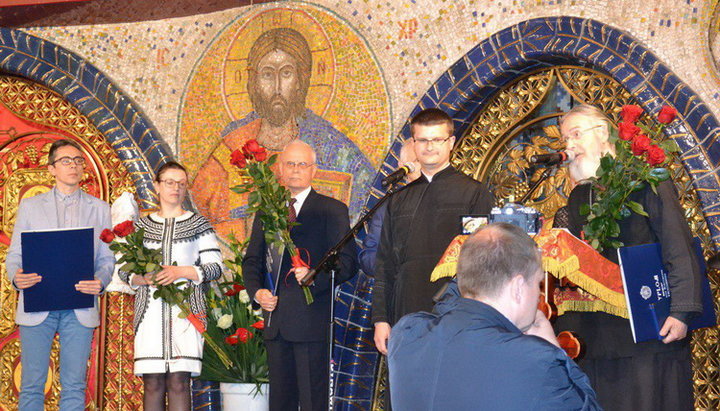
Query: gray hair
492	256
588	111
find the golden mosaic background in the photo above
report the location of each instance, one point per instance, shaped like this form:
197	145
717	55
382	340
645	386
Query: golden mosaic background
347	87
23	173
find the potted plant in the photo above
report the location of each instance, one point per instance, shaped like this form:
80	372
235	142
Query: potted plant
235	327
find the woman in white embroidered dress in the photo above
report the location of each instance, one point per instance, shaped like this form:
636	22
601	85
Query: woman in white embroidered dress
168	349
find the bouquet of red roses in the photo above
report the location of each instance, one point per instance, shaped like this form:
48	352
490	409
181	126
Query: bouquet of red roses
140	260
642	157
271	199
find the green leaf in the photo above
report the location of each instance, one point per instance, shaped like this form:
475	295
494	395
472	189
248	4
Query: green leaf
660	173
637	208
670	146
654	188
607	162
128	268
239	189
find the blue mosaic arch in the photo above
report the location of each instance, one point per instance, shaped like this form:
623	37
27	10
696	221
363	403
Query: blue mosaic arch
512	53
543	42
135	140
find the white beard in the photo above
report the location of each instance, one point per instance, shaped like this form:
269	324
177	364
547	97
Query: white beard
583	168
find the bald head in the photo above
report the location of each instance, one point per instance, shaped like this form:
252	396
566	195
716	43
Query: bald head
297	166
492	256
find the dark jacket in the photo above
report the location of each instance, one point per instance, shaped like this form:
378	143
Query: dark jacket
608	336
322	223
421	221
372	241
468	356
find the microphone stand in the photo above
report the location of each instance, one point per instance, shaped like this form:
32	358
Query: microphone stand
544	176
329	263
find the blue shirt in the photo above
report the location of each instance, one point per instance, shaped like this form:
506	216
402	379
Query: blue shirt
468	356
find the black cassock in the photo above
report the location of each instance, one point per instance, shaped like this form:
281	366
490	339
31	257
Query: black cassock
649	375
421	221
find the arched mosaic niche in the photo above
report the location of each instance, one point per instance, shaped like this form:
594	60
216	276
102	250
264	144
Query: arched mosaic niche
544	42
80	83
538	50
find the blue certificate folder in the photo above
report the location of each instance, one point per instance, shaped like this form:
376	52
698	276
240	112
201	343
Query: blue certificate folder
63	258
647	291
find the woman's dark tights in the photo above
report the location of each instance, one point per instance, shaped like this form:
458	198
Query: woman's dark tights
175	384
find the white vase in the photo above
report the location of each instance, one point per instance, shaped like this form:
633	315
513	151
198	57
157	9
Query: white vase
244	397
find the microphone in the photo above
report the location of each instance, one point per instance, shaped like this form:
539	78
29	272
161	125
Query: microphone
397	175
553	158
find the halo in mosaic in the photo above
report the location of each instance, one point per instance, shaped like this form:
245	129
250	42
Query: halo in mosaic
80	83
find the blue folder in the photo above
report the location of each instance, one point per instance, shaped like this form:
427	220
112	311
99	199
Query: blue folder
63	258
647	291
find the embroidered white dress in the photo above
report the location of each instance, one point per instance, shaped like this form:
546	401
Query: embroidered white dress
163	341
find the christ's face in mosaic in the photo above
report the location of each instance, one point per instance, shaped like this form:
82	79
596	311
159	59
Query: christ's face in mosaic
278	87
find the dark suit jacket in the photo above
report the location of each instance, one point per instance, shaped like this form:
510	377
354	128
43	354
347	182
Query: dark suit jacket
322	223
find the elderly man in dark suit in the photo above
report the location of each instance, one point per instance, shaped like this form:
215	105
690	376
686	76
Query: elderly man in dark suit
296	334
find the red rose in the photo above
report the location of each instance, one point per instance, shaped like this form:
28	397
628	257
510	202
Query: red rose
238	159
655	155
627	131
236	288
248	155
260	325
631	113
261	155
667	114
107	235
244	335
232	340
124	228
252	146
640	144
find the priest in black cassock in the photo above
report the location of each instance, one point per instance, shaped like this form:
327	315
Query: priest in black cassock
421	221
652	375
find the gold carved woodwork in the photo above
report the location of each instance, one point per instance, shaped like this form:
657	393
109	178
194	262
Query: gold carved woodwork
489	152
23	173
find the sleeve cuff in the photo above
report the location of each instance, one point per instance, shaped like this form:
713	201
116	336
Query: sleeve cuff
685	317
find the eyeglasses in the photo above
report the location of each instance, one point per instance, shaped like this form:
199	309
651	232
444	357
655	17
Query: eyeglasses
433	141
172	183
66	161
576	133
301	165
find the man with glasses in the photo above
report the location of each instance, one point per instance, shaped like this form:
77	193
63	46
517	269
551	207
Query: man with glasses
421	221
296	334
65	206
651	375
